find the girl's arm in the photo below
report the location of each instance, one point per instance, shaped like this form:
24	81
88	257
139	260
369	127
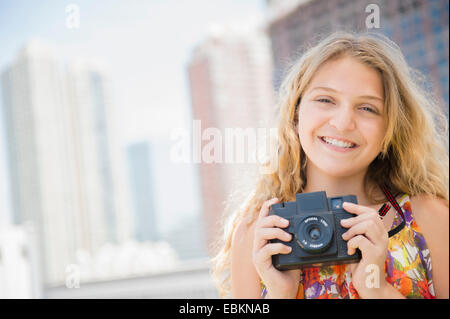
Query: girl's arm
245	281
431	215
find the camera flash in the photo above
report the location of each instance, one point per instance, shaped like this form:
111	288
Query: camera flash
336	203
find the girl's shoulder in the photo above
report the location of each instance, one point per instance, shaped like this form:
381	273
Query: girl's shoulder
429	209
431	217
423	212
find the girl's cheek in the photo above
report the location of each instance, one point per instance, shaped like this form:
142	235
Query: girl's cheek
374	132
314	120
311	118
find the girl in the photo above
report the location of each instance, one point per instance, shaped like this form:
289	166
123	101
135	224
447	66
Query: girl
351	120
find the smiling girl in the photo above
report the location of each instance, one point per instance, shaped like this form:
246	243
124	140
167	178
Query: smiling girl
352	120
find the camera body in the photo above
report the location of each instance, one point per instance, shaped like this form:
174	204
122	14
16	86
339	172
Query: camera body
315	225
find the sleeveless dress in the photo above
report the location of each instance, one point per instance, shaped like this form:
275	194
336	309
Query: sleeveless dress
407	267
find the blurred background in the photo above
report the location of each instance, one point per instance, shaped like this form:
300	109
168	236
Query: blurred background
97	97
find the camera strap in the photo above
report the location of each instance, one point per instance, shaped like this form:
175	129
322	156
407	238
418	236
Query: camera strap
385	208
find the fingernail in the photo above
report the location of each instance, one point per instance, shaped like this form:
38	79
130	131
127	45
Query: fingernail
344	221
285	222
344	235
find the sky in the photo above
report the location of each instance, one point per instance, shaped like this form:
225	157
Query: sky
146	46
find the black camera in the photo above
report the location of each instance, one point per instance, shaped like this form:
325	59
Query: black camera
315	226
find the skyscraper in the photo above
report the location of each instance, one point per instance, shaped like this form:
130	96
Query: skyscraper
230	84
100	166
40	161
419	27
62	160
141	184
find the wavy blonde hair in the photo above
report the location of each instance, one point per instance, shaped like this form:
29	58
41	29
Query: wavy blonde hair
414	157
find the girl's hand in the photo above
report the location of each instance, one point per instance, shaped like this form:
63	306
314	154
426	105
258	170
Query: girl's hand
367	232
279	284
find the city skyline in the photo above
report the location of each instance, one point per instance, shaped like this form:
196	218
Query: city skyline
63	159
147	105
139	90
85	118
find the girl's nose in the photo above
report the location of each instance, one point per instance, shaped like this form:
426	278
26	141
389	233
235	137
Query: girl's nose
343	119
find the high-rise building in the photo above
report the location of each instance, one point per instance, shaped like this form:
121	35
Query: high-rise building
100	167
419	27
230	84
62	162
40	159
141	184
175	186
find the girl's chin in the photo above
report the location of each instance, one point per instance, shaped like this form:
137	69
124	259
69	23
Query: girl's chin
333	170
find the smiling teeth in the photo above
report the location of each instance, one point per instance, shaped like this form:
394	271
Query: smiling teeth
337	142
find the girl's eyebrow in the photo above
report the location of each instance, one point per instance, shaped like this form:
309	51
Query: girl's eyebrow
370	97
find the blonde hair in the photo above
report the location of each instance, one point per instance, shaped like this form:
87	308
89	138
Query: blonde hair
414	157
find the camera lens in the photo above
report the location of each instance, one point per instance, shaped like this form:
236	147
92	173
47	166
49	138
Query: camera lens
314	233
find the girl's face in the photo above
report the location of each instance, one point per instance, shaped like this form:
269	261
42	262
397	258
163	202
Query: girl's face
341	122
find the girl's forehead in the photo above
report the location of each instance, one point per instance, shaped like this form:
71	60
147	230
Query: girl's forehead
348	75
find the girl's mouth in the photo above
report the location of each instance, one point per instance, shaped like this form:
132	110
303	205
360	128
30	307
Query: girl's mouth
338	144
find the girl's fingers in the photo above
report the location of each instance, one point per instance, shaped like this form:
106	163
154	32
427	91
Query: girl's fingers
267	228
271	249
368	228
266	207
360	242
356	209
273	221
349	222
264	234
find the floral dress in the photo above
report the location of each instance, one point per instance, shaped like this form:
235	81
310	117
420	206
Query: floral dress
407	267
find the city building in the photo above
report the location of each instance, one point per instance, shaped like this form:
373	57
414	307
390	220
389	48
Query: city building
100	165
419	27
142	193
63	164
39	160
230	85
175	187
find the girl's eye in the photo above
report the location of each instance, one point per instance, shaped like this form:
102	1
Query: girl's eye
369	109
324	100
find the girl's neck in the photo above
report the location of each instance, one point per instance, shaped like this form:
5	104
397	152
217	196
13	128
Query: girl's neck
336	186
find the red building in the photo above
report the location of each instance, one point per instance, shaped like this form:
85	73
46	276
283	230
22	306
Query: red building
231	87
